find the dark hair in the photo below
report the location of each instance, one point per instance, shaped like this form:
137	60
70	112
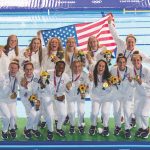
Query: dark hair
27	63
120	55
60	62
6	47
136	52
106	74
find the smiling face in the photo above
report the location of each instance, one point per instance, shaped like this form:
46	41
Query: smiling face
93	43
35	46
12	41
54	44
71	44
13	69
130	43
101	68
121	64
60	68
28	70
77	67
137	61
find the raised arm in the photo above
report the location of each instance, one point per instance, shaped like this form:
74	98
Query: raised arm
121	45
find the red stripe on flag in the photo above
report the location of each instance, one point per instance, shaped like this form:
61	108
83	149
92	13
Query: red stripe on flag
83	31
99	39
104	32
109	44
87	35
98	29
82	24
93	25
92	32
105	38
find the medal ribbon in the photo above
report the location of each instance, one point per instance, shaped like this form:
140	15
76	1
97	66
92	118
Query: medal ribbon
72	59
140	72
123	75
55	83
14	84
73	80
30	80
128	54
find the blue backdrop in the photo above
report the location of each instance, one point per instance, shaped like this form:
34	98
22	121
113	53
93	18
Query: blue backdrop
73	4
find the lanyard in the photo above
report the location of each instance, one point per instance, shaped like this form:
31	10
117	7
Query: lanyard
30	80
128	54
14	84
72	59
140	72
123	75
55	84
11	49
73	80
94	51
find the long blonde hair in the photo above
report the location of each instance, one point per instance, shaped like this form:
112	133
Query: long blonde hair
67	59
89	48
40	49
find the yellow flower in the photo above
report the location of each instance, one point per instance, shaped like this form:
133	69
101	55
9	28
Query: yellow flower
82	88
32	98
44	74
81	53
114	80
52	56
107	52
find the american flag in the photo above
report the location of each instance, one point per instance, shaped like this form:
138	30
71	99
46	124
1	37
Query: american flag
81	32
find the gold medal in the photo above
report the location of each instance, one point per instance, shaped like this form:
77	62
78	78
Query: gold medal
13	95
137	77
105	85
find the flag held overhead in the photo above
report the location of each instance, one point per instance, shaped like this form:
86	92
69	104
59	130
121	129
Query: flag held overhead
81	32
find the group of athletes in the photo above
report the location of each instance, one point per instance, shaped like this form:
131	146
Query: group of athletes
53	84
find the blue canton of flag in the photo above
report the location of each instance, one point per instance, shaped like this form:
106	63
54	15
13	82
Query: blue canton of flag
62	33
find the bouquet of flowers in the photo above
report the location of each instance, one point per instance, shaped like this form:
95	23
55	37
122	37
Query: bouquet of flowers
108	56
114	80
34	101
60	54
81	56
52	56
82	89
44	79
